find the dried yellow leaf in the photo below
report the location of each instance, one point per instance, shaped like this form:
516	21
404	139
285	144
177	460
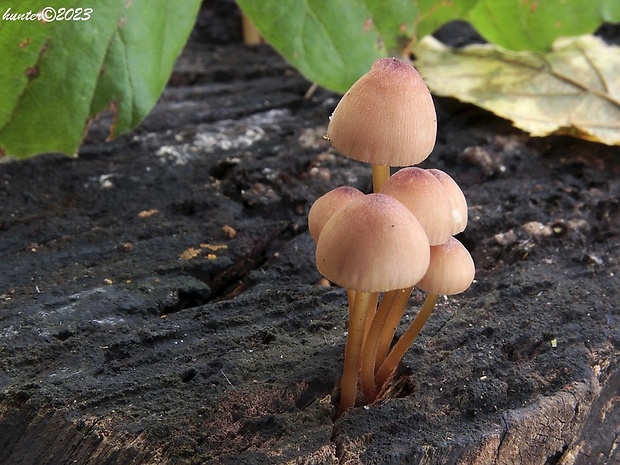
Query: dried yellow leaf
574	89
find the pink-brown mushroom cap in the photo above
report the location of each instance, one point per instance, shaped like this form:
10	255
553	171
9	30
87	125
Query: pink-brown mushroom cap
451	270
422	193
373	244
387	117
328	204
457	200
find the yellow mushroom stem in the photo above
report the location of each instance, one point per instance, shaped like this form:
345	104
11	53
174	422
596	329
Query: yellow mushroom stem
351	298
357	325
380	174
398	351
375	322
390	309
370	317
374	297
391	323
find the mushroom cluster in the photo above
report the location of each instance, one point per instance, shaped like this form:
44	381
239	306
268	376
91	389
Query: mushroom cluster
381	245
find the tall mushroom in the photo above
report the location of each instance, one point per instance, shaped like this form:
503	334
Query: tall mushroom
386	118
424	195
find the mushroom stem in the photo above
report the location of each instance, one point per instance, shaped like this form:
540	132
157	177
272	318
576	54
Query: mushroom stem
351	298
372	306
357	325
396	311
380	174
398	351
369	348
370	316
378	339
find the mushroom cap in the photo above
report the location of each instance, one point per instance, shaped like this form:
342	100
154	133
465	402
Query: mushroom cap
423	194
457	200
451	270
328	204
387	117
372	244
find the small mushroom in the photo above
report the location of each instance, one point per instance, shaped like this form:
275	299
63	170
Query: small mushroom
371	244
457	200
422	193
451	271
326	205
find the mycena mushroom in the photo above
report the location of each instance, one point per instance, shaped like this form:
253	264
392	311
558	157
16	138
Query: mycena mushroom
440	205
386	118
371	244
423	194
451	271
325	206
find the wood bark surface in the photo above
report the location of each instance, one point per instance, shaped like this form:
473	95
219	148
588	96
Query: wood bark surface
160	304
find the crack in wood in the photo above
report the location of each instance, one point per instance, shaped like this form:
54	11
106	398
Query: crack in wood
231	282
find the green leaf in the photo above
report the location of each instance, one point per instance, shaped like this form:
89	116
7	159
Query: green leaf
395	22
399	22
610	11
573	89
334	42
535	24
434	14
58	75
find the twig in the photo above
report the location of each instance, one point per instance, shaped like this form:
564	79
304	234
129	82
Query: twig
227	380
